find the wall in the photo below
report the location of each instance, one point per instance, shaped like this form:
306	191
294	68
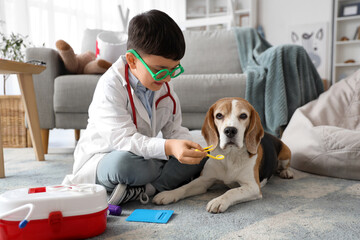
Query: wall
274	15
277	16
175	9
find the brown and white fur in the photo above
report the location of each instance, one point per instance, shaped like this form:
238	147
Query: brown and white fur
233	126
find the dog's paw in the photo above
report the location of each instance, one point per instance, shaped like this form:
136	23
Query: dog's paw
287	173
217	205
165	197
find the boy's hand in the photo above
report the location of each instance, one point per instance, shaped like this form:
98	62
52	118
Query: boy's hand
184	151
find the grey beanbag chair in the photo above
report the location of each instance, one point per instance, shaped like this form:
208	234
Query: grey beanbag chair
324	135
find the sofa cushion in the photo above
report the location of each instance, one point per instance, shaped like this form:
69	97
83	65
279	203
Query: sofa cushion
211	52
198	92
193	121
206	51
73	93
71	120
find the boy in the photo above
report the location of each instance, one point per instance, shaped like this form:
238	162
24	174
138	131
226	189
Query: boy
132	103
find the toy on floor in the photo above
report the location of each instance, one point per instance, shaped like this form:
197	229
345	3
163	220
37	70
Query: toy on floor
84	63
53	212
114	210
209	149
150	215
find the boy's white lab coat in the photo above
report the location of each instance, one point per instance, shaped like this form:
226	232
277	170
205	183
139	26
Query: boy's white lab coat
110	125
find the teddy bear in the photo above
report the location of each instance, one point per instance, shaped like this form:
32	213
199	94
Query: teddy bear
85	63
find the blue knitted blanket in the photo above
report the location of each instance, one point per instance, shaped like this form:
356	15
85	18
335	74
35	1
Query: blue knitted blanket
279	78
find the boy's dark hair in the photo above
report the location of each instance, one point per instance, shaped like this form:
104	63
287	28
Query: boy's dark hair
155	33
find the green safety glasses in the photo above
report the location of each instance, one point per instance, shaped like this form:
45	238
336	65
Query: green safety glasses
160	75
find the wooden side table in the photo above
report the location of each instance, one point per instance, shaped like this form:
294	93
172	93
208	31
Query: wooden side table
24	73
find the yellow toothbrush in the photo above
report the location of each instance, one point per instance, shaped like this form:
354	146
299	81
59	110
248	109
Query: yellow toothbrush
209	149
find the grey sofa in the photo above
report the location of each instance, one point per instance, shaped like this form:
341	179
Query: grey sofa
212	71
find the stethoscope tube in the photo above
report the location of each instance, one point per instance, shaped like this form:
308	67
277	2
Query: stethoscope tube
128	88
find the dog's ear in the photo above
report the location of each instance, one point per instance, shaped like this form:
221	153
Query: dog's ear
209	130
254	132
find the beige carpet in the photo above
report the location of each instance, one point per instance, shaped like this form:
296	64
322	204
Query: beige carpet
307	207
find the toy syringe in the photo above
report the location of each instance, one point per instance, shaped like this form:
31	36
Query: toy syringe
209	149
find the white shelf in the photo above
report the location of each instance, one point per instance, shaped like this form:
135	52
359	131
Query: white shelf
205	14
218	14
195	15
196	22
357	17
347	64
349	42
242	11
344	50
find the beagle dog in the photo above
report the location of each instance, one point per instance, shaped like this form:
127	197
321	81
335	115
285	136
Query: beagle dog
234	128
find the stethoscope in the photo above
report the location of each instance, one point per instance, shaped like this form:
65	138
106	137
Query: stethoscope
168	94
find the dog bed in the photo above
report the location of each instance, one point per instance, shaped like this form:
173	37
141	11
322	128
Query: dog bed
324	135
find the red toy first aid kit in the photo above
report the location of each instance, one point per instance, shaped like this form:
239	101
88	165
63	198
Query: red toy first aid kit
53	212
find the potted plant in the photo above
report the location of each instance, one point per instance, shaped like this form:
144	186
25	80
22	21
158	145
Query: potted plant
12	48
12	112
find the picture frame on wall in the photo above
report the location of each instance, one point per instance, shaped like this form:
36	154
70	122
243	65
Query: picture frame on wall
244	20
350	9
315	40
357	34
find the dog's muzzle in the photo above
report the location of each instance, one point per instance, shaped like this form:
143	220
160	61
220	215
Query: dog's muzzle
230	132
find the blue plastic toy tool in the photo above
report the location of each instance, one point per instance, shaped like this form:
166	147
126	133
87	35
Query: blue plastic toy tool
149	215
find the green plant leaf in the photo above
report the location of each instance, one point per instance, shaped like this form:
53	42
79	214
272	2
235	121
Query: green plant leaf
13	48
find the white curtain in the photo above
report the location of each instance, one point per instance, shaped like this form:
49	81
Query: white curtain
46	21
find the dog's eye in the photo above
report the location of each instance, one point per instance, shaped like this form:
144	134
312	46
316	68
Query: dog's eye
243	116
219	116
